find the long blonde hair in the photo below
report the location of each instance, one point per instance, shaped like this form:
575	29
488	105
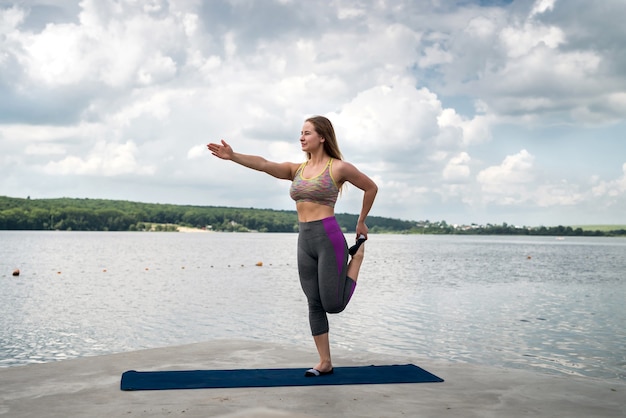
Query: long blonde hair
324	128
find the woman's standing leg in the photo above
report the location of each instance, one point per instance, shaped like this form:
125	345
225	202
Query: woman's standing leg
308	271
322	342
326	280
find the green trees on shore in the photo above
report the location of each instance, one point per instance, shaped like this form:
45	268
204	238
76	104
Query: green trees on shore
116	215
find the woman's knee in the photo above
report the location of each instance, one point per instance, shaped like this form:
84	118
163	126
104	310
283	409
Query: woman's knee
334	308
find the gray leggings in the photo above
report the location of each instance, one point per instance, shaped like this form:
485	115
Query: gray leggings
322	265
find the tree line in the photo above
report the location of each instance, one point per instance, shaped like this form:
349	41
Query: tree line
505	229
68	214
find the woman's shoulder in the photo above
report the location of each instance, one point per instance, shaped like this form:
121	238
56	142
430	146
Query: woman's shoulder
341	164
295	167
342	169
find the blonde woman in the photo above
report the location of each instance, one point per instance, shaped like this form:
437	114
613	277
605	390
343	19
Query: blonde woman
327	277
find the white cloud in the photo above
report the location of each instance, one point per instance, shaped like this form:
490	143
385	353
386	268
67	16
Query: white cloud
509	182
393	120
45	149
434	55
106	159
519	41
472	131
197	151
481	27
10	19
55	57
558	194
542	6
157	68
457	169
24	133
114	44
613	188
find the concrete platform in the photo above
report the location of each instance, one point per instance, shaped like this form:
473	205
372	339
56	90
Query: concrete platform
89	387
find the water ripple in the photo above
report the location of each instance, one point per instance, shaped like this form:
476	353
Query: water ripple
522	302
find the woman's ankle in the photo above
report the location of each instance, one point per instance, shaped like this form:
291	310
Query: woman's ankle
324	366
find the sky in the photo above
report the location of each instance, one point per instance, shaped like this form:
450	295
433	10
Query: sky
490	111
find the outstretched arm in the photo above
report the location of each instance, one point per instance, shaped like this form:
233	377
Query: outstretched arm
224	151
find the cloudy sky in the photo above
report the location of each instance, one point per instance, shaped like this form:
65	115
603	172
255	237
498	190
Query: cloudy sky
484	111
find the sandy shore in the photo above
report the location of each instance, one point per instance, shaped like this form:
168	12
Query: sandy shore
192	230
90	387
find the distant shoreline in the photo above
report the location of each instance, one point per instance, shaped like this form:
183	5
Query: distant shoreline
187	229
69	214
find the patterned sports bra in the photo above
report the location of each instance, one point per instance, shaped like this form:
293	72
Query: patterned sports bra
320	189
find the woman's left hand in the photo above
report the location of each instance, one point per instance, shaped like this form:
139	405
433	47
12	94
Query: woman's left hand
361	229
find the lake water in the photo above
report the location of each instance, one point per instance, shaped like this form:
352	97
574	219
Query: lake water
535	303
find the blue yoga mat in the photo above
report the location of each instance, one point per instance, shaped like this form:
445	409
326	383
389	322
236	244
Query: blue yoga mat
249	378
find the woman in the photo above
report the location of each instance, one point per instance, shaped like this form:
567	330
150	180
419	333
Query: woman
327	278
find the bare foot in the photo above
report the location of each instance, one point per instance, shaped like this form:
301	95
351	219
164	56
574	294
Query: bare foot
360	252
324	366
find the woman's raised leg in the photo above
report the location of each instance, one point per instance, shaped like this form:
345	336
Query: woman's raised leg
354	265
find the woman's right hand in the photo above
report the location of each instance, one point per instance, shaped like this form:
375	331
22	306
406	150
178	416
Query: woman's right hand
223	151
